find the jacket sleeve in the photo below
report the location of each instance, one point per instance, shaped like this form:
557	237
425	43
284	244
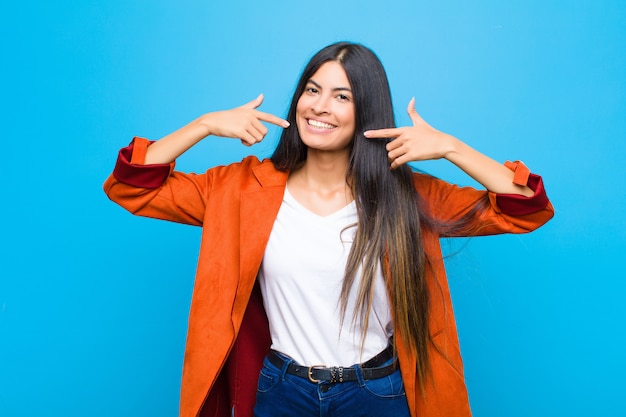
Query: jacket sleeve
483	212
156	191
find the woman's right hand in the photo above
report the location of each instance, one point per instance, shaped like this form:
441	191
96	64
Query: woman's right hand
242	122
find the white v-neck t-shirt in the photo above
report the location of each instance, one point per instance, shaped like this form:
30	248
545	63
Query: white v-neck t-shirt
301	277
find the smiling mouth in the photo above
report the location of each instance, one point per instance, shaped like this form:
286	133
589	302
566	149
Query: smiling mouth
320	125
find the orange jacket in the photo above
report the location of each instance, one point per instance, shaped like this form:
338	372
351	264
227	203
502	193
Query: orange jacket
236	205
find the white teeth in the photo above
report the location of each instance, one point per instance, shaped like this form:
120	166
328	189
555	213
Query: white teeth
321	125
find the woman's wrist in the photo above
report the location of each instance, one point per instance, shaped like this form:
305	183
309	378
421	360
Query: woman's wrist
206	125
452	147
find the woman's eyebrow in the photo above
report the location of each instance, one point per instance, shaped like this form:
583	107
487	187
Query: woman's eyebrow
334	89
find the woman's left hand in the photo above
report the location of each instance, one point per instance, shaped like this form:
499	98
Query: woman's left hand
414	143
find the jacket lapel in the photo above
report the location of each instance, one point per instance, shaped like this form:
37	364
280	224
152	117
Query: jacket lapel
259	206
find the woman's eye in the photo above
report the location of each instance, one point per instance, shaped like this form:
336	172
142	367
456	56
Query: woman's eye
343	97
311	90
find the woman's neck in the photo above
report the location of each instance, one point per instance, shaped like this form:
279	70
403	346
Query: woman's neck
320	183
324	171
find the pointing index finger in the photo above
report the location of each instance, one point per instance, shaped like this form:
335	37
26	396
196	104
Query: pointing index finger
270	118
382	133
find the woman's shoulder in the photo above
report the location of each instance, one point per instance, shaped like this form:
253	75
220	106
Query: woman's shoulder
424	180
247	164
248	168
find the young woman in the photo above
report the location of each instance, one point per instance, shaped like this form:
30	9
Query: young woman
320	288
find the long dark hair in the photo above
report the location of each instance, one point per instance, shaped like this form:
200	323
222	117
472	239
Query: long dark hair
389	217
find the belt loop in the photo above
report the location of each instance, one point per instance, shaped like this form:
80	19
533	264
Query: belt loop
359	375
286	363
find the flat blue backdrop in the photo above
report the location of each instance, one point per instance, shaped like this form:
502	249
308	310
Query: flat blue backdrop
94	301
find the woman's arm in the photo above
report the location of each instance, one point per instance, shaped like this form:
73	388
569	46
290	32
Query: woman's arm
242	122
423	142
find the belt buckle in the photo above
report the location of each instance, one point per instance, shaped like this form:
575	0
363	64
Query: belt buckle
310	373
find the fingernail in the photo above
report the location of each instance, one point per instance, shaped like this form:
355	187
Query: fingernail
366	134
286	124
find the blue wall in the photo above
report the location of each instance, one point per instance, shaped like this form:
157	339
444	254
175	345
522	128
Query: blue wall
94	301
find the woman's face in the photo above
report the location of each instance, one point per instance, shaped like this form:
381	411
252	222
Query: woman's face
325	110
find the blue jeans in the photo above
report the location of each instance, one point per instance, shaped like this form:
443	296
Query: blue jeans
281	394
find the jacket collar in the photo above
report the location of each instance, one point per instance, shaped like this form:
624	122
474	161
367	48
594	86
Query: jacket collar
268	176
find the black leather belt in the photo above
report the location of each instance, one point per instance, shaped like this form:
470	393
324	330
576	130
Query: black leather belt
371	369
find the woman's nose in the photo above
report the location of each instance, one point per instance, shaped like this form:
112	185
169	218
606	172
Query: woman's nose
321	105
